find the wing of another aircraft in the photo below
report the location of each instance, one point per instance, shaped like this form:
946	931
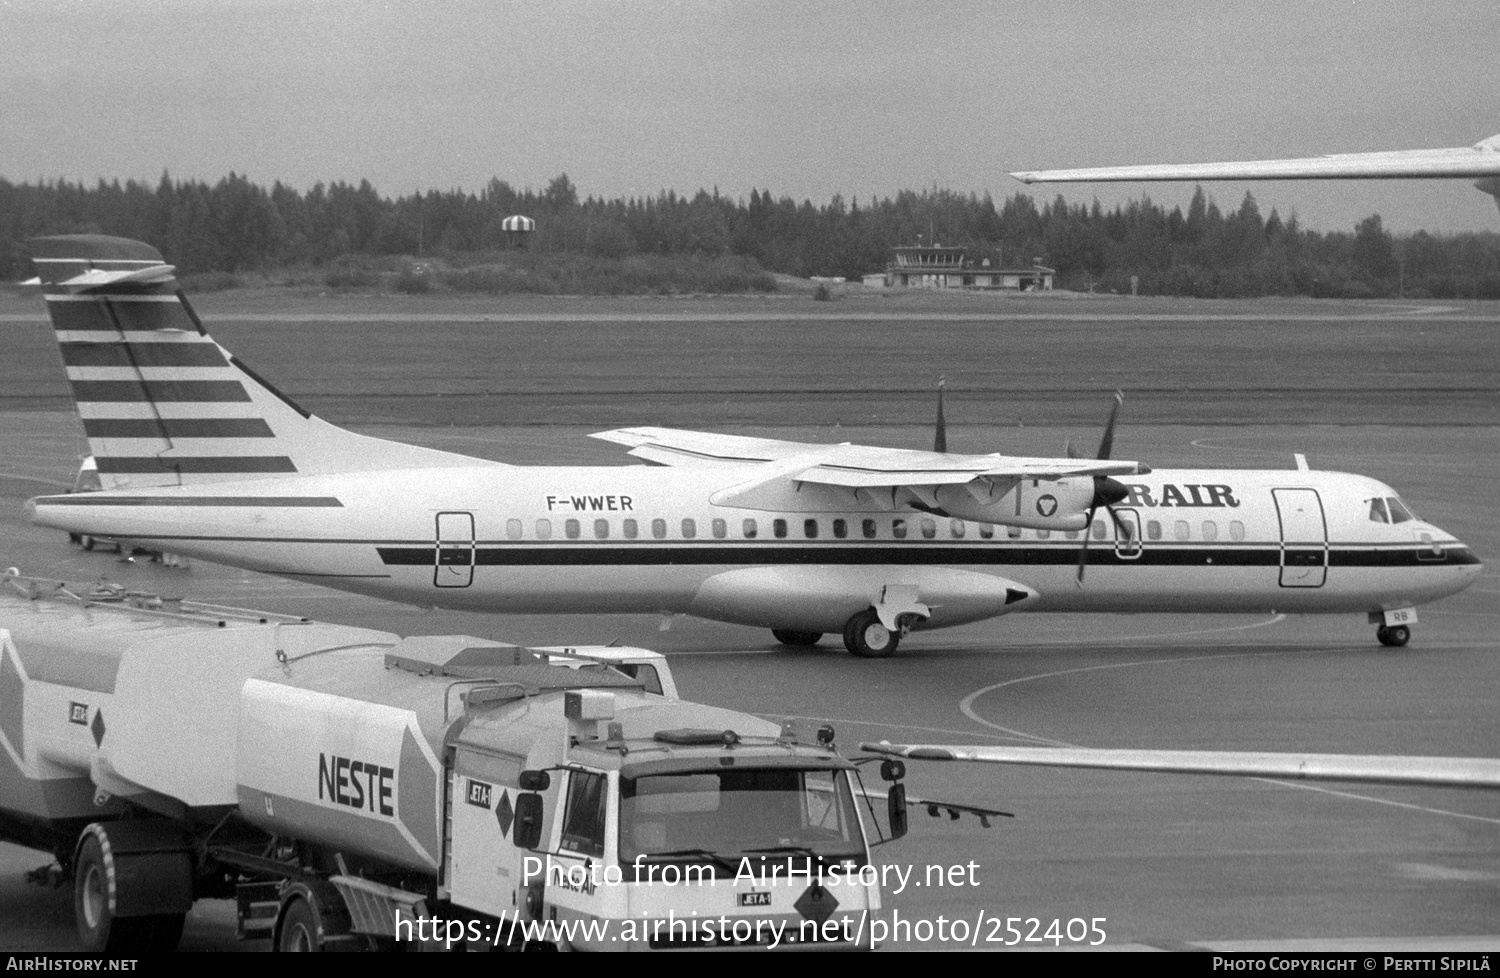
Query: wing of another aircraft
1478	161
1458	772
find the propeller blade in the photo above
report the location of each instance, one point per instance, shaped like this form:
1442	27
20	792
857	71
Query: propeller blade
1069	450
1083	552
940	432
1120	525
1107	443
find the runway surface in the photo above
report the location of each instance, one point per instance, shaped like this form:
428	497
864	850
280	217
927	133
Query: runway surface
1166	861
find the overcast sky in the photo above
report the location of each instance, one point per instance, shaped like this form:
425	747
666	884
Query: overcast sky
805	99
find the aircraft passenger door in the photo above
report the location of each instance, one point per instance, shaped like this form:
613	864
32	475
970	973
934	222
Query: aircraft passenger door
1128	549
1304	537
453	563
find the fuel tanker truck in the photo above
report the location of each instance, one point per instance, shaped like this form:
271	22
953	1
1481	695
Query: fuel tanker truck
352	788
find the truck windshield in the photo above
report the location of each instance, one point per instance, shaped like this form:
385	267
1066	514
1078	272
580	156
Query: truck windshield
718	817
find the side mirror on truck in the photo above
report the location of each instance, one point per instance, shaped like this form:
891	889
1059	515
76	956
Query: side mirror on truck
528	829
895	808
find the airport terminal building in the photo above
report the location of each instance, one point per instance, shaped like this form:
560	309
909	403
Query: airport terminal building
937	267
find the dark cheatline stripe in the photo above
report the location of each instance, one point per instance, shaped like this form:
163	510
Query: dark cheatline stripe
177	428
196	466
751	553
197	354
94	499
179	391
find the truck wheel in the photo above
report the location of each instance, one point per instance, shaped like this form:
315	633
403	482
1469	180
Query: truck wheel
98	928
299	928
795	639
867	638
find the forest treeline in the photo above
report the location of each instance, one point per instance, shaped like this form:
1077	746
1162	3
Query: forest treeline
644	244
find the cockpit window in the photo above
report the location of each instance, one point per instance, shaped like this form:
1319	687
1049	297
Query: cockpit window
1399	512
1377	511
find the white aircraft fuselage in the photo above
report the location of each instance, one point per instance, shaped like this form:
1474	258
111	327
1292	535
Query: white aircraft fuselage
523	539
200	456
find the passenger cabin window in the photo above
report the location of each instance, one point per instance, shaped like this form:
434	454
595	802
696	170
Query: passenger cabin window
689	529
513	529
898	529
1071	534
720	529
810	529
1181	530
601	529
632	529
1377	511
1098	532
929	528
1153	529
986	531
1014	532
544	529
751	529
1210	530
659	529
841	528
583	823
1044	534
1236	531
570	529
869	529
778	527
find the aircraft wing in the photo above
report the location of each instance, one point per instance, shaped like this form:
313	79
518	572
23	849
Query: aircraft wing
851	466
1459	772
1481	160
859	466
675	446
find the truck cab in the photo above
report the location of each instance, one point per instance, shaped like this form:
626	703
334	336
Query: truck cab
727	833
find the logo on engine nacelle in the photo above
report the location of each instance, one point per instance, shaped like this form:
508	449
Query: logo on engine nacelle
1046	505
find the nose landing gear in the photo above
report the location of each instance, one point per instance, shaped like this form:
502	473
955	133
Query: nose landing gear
1393	635
1393	625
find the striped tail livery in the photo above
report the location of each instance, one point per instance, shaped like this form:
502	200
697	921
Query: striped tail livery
162	404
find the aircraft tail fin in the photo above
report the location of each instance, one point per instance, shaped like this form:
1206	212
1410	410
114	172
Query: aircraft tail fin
162	404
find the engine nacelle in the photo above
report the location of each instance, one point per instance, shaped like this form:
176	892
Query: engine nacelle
1058	504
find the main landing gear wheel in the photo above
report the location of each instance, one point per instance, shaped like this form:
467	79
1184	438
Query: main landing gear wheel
1393	635
867	638
796	639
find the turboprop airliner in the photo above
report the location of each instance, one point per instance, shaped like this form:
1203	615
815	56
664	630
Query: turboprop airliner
198	455
1480	163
